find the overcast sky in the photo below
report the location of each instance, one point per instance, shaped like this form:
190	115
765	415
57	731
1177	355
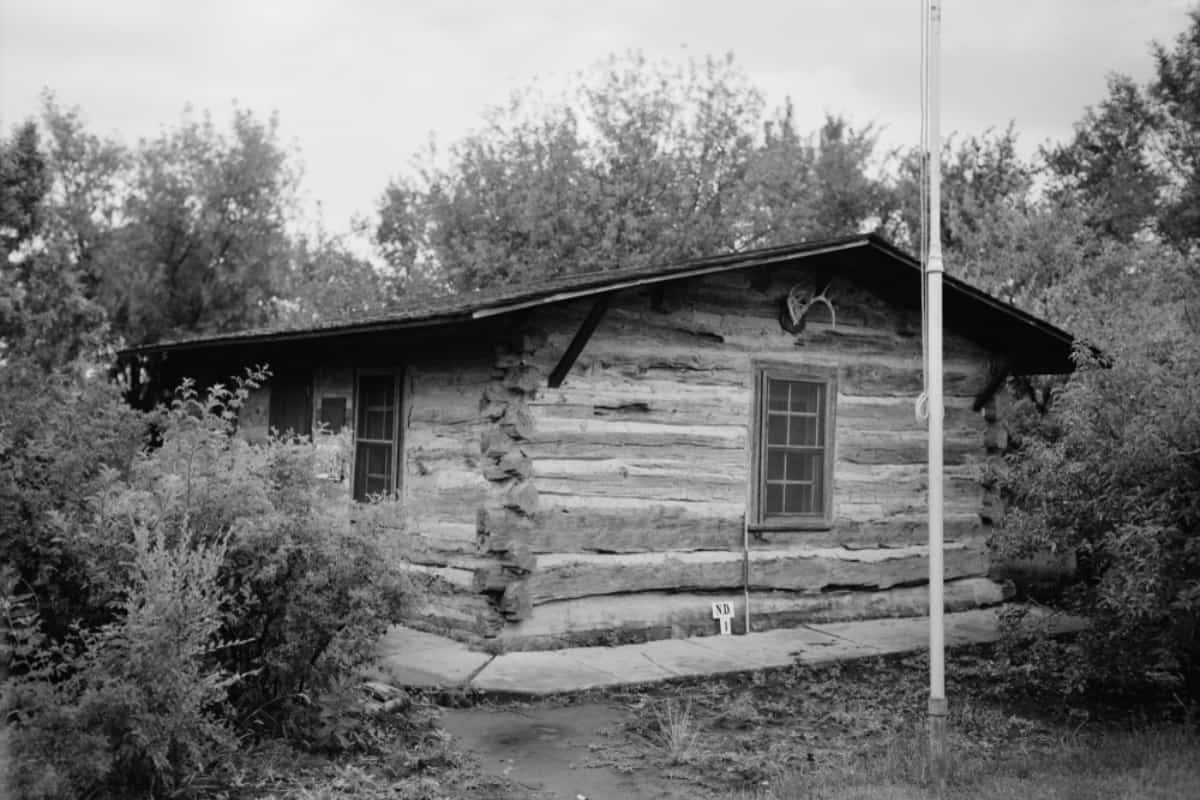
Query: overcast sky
360	85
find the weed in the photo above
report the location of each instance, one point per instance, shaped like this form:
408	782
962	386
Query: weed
675	729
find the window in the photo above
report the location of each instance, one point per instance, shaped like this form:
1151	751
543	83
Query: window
290	411
333	413
376	434
793	447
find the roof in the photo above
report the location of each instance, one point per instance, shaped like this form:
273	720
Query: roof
1032	345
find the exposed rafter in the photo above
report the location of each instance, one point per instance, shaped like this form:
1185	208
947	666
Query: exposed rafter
586	329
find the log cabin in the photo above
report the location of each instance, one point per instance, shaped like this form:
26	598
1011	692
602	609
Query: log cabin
601	457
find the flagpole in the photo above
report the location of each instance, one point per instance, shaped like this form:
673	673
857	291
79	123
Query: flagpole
938	756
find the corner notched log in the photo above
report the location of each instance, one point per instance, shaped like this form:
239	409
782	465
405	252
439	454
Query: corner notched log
511	505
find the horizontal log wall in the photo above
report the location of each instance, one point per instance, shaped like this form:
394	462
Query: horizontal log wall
432	526
644	446
640	464
618	619
440	453
443	483
570	575
612	506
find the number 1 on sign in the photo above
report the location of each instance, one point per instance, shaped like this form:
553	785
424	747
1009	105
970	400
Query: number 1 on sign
723	613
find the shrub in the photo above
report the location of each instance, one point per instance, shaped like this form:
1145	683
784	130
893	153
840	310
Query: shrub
62	437
1113	474
311	593
133	706
219	593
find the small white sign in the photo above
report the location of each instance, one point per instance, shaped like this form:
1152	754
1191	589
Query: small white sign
723	613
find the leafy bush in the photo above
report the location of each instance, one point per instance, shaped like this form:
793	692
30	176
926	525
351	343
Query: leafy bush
311	592
62	437
1113	474
135	705
216	593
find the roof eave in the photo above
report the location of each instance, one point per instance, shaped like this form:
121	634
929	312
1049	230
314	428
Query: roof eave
1051	355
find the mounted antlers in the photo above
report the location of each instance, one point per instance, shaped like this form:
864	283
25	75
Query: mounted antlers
797	303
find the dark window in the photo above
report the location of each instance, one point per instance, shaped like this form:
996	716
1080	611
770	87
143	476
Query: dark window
376	434
290	410
793	447
333	413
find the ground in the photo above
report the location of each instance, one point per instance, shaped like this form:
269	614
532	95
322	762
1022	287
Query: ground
847	730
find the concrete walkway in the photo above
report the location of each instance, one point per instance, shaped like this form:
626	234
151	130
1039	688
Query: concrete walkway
416	659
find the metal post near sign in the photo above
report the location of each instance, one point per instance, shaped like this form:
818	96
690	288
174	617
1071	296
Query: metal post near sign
938	756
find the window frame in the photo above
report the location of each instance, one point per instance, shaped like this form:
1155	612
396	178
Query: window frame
765	371
396	484
283	382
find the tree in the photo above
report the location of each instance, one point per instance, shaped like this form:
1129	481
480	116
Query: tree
1176	90
203	239
325	280
87	178
1134	160
46	316
186	233
1108	163
640	163
23	185
982	177
1113	474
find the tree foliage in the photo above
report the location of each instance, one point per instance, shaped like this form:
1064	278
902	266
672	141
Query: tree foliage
204	231
327	280
640	163
1176	91
189	232
1113	474
46	315
1109	162
1134	158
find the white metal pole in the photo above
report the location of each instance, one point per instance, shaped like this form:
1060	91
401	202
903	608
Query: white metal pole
933	279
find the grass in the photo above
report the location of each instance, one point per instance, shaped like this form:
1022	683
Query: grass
857	730
677	731
1146	765
833	732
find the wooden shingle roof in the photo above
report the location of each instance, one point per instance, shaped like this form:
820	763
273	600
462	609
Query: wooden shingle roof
1030	345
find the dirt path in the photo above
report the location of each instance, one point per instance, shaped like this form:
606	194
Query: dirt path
568	752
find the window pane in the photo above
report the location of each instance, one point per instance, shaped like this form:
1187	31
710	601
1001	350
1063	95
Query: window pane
290	409
360	473
377	459
805	397
798	498
372	470
774	498
801	466
777	425
375	425
777	395
333	413
375	403
775	463
804	432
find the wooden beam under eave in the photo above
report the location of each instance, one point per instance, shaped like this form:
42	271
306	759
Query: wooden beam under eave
999	374
586	329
